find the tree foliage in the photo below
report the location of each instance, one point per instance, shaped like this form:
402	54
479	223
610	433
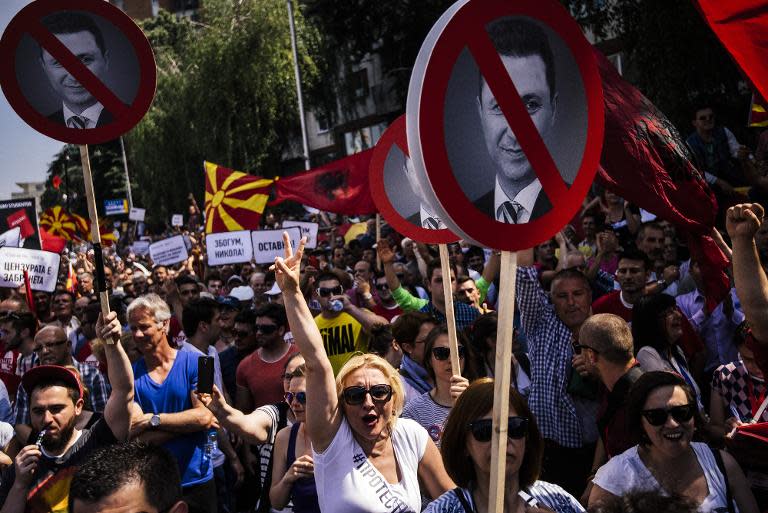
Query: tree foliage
225	93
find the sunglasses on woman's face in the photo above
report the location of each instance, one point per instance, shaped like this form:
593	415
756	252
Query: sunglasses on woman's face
443	353
330	291
299	396
482	429
380	394
659	416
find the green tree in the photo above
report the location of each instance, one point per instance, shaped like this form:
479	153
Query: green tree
225	94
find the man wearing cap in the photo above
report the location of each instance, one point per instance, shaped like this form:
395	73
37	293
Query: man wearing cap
165	381
56	399
228	308
53	348
244	294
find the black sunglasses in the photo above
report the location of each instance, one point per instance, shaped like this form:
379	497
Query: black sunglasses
482	429
382	286
241	333
333	291
380	394
266	329
659	416
299	396
443	353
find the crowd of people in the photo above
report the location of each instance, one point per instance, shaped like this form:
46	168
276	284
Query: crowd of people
333	388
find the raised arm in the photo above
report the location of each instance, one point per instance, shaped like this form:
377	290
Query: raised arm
365	317
254	427
117	412
323	413
742	222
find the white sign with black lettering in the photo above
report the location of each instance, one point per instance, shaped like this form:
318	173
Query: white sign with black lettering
168	251
229	247
42	267
140	247
268	244
137	214
11	238
308	230
177	220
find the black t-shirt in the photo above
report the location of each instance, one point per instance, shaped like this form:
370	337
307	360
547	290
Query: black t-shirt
51	485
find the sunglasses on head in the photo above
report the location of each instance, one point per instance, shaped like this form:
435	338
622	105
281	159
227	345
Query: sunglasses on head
659	416
301	397
482	429
443	353
332	291
266	329
380	394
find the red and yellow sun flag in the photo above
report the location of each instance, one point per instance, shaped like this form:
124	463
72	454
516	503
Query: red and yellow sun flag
56	221
83	226
233	200
107	232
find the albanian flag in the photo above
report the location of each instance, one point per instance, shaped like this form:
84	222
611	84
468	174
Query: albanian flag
233	200
341	186
646	161
57	222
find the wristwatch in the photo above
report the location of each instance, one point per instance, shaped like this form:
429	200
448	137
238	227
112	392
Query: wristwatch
663	284
154	421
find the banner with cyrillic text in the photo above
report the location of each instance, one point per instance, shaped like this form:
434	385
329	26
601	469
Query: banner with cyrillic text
308	230
229	247
268	244
42	266
168	251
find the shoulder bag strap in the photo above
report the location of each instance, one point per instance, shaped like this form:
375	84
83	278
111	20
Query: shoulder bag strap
721	467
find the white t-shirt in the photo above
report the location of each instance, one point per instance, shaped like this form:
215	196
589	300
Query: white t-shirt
626	472
348	483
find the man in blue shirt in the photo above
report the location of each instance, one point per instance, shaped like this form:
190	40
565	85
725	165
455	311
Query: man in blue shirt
165	382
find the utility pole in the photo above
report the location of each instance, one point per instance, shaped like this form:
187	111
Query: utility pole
297	73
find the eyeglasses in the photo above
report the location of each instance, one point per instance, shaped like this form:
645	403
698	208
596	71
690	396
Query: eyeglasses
333	291
266	329
382	286
380	394
50	346
577	348
443	353
659	416
482	429
241	334
301	397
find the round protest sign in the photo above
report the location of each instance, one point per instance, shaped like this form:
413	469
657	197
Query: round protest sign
505	120
398	194
83	75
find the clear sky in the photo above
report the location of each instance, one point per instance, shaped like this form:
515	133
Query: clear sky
24	153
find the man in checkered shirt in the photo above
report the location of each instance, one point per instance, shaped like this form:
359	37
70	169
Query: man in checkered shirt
567	422
53	348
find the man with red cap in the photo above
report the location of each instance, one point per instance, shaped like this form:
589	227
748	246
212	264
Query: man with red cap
42	470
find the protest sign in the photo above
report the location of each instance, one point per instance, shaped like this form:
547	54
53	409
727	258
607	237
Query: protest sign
115	207
21	213
268	244
11	238
120	73
140	247
229	247
42	266
137	214
506	143
168	251
308	230
177	220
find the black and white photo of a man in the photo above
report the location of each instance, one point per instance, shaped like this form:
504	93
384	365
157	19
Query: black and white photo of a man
80	34
425	217
517	196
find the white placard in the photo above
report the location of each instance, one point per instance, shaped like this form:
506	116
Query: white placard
42	266
229	247
11	238
168	251
177	220
308	230
137	214
268	244
140	247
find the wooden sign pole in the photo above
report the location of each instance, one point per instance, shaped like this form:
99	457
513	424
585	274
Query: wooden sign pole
502	377
450	318
378	238
98	257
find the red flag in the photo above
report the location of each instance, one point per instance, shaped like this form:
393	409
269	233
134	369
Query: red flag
341	186
233	200
742	27
28	292
56	182
52	242
646	161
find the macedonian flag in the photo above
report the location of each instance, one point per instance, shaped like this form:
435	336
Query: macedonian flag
57	221
233	200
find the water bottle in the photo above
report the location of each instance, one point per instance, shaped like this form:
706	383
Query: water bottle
337	305
210	443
